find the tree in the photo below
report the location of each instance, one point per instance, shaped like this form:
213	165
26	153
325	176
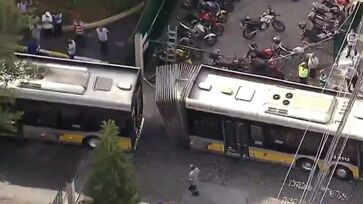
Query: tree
11	23
112	179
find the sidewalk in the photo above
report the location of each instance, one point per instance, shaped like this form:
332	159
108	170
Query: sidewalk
119	41
215	194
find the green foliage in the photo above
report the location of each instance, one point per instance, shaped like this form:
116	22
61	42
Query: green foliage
112	179
11	23
8	117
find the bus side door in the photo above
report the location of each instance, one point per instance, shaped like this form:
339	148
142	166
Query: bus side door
235	138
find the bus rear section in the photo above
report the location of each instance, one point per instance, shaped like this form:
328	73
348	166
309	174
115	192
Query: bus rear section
69	101
245	116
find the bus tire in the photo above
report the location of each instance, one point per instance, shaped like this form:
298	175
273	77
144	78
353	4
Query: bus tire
343	173
91	141
305	164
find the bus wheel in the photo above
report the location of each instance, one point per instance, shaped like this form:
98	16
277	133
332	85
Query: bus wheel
306	164
343	173
91	142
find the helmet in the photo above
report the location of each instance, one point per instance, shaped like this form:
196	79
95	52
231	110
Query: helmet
192	167
302	24
276	39
247	18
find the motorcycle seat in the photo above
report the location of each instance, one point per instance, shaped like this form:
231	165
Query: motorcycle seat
251	21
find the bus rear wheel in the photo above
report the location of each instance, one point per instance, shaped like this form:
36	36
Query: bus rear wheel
305	164
343	173
91	142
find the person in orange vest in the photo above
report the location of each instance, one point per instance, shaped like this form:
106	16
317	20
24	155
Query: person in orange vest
303	72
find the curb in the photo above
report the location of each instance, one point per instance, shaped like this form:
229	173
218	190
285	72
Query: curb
108	20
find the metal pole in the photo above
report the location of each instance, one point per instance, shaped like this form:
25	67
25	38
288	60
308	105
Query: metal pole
139	51
71	192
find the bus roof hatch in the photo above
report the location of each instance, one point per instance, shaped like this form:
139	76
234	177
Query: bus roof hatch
302	105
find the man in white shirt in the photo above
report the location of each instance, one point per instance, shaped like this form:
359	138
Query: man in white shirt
193	180
352	41
102	34
47	26
351	77
71	48
313	64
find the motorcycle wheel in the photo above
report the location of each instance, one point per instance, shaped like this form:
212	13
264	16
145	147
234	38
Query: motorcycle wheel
222	18
210	41
278	25
249	53
249	33
219	29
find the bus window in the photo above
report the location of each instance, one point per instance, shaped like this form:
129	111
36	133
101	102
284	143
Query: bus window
311	142
71	118
350	153
40	114
281	139
256	135
207	127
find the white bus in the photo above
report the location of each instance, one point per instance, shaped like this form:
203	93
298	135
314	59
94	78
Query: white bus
238	114
71	99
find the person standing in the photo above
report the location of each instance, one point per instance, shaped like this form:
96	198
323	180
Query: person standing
352	41
71	48
47	26
32	46
351	77
102	34
303	72
58	22
35	28
79	30
193	180
313	64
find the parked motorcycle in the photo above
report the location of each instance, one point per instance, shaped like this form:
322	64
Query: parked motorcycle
273	60
197	31
313	34
251	26
215	26
215	10
234	65
226	5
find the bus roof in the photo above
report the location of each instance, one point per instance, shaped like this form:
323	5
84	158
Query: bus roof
79	83
272	101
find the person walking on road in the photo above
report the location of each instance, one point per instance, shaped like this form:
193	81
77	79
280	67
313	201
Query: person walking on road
351	77
102	34
352	41
47	26
71	48
58	21
79	30
303	72
193	180
313	64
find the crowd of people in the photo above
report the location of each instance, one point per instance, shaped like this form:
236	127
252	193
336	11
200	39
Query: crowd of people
50	25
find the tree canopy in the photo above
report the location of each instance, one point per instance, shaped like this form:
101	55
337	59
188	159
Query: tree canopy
112	178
